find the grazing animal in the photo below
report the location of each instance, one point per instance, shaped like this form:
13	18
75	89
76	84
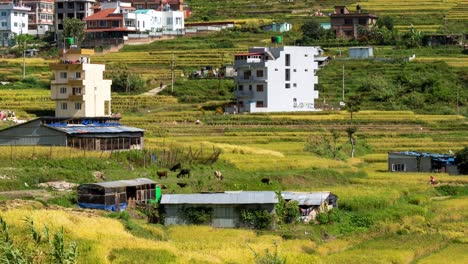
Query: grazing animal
183	173
162	174
266	180
218	175
182	184
176	167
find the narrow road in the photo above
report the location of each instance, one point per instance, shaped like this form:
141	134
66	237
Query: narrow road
154	91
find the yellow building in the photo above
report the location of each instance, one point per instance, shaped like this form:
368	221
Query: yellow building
79	88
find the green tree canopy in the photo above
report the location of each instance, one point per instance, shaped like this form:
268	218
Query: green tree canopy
312	30
74	28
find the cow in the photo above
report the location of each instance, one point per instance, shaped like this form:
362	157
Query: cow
266	180
183	173
162	174
182	184
218	175
176	167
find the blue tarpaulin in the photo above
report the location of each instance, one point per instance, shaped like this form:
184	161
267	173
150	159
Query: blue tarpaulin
112	207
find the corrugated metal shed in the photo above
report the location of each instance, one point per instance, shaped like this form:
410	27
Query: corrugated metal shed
124	183
315	198
83	129
239	197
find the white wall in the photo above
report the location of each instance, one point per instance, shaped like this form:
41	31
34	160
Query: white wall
173	20
13	20
275	96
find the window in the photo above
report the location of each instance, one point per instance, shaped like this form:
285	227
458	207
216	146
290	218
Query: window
294	84
259	87
169	20
287	75
259	73
348	21
4	13
4	24
76	90
306	70
63	90
259	104
15	24
81	6
294	70
363	21
247	74
240	87
241	104
288	59
276	69
63	106
178	21
60	16
71	5
106	107
250	87
115	24
22	14
102	23
59	5
23	25
398	167
77	75
287	86
77	106
63	75
15	13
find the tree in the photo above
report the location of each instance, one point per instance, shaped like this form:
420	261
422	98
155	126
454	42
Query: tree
461	159
21	42
350	131
412	38
125	81
353	105
74	28
385	21
311	30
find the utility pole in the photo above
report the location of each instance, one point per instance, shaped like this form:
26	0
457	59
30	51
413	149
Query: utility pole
172	73
218	73
24	58
343	86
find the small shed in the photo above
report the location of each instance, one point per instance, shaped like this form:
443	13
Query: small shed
226	207
361	52
412	161
278	27
114	195
311	203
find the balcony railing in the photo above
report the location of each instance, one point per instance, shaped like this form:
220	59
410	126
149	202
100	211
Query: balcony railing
244	94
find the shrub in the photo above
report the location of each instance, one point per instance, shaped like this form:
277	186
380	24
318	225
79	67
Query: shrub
258	219
196	215
268	257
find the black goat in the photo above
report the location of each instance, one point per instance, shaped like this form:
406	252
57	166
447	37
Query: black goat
176	167
183	173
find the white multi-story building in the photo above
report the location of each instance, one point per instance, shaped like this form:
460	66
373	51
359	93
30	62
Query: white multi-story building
13	21
79	88
280	79
41	16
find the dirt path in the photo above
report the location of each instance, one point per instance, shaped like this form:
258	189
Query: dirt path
155	91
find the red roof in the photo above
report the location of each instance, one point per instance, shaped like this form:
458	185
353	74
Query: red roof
249	54
108	29
104	15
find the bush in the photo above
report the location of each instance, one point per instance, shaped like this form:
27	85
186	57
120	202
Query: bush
258	219
196	215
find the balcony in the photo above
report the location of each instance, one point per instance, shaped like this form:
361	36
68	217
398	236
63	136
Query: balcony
66	66
75	97
244	94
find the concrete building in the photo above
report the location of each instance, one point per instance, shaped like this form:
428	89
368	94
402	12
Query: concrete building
280	79
78	88
346	24
13	21
72	9
41	16
411	161
160	5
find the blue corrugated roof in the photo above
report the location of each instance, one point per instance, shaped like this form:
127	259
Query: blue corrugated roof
92	129
444	158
